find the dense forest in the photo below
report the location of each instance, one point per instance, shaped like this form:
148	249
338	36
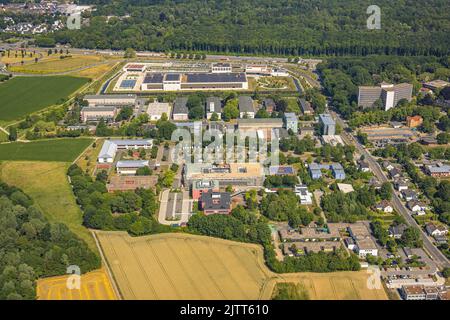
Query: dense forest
281	27
31	247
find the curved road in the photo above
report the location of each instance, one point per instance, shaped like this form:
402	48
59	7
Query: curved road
435	254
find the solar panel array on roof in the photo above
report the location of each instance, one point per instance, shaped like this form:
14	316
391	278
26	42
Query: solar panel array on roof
153	78
128	84
215	77
173	77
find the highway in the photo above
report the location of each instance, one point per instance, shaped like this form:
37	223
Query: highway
435	254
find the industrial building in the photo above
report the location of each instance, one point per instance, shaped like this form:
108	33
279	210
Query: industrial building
194	81
156	109
94	114
130	167
111	100
388	94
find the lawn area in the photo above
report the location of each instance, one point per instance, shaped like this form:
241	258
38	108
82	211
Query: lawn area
47	184
62	150
3	136
24	95
55	64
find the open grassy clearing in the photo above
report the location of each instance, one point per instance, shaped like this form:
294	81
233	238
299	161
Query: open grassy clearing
88	160
94	72
61	150
47	184
54	64
24	95
3	136
183	266
94	285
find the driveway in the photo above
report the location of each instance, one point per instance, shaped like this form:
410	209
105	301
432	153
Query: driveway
175	207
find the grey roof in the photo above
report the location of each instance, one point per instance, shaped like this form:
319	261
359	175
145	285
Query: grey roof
268	102
246	104
179	106
439	169
326	119
215	103
99	108
270	121
132	164
153	78
306	106
223	200
215	77
110	96
132	142
290	116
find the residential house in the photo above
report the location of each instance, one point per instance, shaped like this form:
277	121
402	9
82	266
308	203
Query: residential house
213	105
364	244
180	110
269	105
436	230
387	165
416	206
306	107
409	195
401	184
385	206
395	173
246	107
363	166
396	231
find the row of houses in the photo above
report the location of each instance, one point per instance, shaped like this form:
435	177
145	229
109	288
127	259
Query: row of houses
337	170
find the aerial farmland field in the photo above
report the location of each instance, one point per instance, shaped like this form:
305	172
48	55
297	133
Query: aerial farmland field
94	285
54	64
183	266
20	96
61	150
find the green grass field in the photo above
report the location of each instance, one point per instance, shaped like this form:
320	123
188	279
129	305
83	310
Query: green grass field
47	184
24	95
63	150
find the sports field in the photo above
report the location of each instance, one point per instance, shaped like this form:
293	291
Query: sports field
54	64
183	266
47	184
24	95
61	150
94	285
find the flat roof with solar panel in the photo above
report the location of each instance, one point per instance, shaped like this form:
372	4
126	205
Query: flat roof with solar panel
172	77
129	84
153	78
215	77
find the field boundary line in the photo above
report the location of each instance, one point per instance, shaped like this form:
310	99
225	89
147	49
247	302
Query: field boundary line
107	267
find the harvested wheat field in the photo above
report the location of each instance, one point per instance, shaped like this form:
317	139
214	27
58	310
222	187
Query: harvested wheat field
94	285
182	266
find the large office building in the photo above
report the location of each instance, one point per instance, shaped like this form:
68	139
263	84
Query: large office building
194	81
388	94
327	125
233	174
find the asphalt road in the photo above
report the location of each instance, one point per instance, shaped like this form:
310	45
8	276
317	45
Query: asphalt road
436	255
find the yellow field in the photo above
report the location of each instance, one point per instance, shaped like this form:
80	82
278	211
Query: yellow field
94	72
56	65
183	266
47	184
94	285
